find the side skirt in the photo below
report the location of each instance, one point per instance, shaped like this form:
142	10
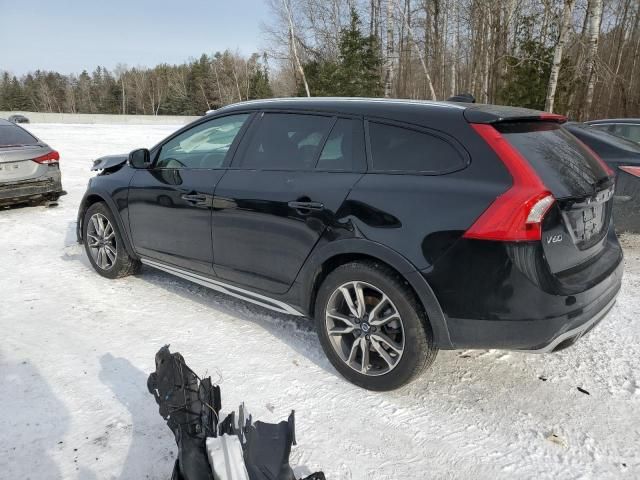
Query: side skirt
222	287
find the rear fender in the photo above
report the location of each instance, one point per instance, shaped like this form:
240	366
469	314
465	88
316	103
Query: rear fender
313	267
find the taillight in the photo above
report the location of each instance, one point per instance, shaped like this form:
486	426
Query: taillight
635	171
517	214
51	157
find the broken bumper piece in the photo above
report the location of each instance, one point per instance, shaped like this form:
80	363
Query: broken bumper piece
210	449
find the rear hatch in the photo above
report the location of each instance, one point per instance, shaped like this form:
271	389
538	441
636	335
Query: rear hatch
18	148
578	248
575	231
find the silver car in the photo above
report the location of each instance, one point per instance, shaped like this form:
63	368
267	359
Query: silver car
29	168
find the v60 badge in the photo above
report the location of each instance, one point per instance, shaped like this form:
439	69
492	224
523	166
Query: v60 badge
554	239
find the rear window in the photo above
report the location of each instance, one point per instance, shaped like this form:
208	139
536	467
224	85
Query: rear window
400	149
344	148
566	167
286	141
10	136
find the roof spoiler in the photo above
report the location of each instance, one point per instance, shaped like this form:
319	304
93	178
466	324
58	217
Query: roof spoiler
462	97
497	114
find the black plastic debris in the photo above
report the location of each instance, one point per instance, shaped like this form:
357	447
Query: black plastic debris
191	408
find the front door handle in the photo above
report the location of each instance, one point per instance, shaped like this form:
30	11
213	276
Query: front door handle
304	207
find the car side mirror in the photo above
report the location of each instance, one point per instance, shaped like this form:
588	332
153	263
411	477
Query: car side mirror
140	158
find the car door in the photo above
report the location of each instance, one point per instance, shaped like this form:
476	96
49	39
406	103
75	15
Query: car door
170	203
290	176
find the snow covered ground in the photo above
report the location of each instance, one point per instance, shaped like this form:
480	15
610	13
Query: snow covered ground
77	348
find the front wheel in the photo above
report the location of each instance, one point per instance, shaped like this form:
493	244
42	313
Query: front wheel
103	244
371	326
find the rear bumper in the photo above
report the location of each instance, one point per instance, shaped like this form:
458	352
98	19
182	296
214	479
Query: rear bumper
538	335
31	190
572	335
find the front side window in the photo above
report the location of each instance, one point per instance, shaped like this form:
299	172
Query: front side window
400	149
286	141
203	146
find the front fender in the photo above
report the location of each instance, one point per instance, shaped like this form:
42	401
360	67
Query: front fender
93	195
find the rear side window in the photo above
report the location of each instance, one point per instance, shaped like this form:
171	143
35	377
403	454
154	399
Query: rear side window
627	130
11	136
605	127
344	149
286	141
400	149
565	166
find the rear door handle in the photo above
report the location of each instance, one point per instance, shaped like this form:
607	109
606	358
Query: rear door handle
195	199
306	205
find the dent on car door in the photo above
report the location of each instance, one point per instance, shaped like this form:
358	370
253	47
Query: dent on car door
288	180
170	203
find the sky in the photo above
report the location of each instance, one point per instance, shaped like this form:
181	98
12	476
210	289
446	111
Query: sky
71	35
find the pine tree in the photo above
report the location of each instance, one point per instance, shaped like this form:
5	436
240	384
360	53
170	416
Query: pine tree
259	86
525	83
4	91
356	73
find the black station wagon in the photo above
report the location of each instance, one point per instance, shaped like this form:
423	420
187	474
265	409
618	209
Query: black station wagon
400	227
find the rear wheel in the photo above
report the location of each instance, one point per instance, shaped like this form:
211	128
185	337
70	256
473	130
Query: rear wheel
103	244
371	326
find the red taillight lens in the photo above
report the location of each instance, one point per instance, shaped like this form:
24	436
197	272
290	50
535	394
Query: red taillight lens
635	171
51	157
517	214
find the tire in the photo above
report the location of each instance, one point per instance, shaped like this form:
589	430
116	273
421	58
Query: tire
114	261
409	328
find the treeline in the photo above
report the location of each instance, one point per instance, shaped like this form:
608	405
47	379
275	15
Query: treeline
188	89
577	57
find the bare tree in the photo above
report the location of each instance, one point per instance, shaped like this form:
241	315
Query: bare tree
454	49
593	32
294	48
421	56
565	22
390	55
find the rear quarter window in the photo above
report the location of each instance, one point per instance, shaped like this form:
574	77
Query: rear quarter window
400	149
10	135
